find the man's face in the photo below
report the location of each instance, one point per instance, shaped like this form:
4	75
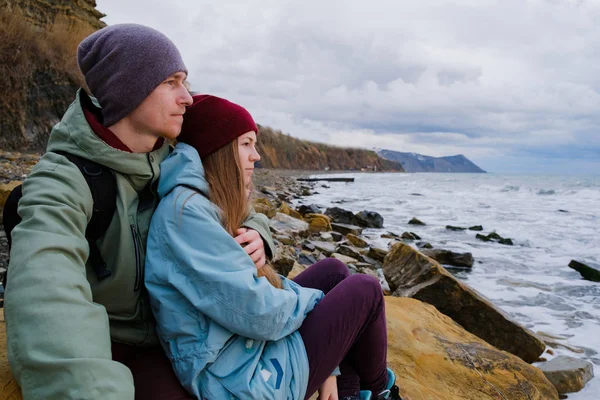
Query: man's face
161	113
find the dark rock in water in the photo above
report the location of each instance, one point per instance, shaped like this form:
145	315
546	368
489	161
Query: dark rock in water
325	186
339	215
568	374
424	245
455	228
416	221
368	219
416	194
563	211
390	235
476	228
306	259
495	238
410	236
345	229
310	209
587	272
450	257
348	251
411	274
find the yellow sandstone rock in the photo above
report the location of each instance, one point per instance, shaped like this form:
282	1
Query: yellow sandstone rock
264	206
318	222
5	190
9	390
285	209
435	359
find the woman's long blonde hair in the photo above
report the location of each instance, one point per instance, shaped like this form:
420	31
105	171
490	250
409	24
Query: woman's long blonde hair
228	191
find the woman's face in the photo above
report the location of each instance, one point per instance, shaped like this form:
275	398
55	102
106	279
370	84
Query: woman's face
248	156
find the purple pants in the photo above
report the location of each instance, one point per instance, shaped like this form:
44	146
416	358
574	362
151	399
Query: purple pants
346	329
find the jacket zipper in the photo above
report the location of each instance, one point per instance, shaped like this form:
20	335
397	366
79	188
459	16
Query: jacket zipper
138	256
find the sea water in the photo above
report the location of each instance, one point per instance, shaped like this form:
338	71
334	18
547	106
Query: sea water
551	220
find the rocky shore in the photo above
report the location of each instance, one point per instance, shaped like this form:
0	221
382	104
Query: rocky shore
446	341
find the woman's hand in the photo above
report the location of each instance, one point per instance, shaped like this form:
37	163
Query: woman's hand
253	244
328	390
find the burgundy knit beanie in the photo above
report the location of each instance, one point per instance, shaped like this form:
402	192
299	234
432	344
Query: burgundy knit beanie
212	122
122	64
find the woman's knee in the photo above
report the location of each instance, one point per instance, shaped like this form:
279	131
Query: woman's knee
366	284
334	267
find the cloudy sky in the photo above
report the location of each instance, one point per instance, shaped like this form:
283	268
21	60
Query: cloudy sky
514	85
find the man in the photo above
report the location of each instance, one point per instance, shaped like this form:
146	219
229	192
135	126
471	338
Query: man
71	333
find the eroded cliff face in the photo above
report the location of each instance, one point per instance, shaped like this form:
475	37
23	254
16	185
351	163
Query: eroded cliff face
38	64
43	13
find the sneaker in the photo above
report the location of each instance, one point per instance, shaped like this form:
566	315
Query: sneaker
392	391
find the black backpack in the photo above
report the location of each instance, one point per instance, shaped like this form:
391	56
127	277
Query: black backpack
103	187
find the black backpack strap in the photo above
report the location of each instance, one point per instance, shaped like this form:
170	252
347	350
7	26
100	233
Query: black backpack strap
103	187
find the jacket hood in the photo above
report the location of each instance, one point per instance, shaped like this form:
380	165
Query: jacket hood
74	135
183	167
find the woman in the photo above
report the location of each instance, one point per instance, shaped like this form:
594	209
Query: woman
231	327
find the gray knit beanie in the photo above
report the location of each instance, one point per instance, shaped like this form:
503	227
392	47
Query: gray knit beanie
122	64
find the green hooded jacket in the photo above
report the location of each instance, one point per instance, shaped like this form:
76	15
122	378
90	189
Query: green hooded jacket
60	319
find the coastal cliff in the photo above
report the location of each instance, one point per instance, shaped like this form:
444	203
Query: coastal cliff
38	66
282	151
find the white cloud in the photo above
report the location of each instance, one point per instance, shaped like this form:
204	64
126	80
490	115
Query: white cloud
492	80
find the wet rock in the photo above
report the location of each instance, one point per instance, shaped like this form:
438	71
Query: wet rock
424	245
450	257
377	253
348	251
435	358
345	229
455	228
410	236
340	216
306	259
356	241
494	237
390	235
476	228
326	247
587	272
309	209
308	246
412	274
568	374
368	219
416	221
283	224
368	260
345	259
318	222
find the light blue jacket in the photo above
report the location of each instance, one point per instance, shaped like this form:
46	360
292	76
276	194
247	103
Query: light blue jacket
228	333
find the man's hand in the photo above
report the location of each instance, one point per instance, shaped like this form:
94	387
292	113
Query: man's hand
328	390
253	244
